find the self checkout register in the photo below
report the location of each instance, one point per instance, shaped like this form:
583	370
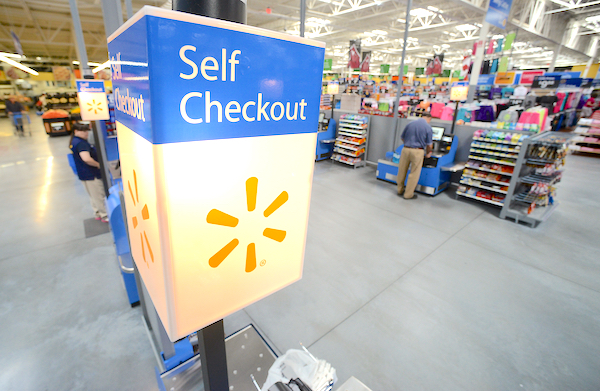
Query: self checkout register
325	137
434	178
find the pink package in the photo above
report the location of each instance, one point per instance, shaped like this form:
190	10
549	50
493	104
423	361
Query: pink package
436	109
447	113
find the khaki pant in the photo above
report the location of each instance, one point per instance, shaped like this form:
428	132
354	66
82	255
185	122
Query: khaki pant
95	189
414	158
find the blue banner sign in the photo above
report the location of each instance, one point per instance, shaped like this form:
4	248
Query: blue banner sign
497	14
90	85
485	80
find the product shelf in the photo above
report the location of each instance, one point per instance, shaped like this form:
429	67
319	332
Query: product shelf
483	187
497	203
496	141
484	159
503	149
487	180
491	153
344	125
344	140
487	170
343	152
352	121
350	147
536	178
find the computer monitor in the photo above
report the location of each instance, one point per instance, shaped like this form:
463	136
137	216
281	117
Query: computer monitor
438	132
321	117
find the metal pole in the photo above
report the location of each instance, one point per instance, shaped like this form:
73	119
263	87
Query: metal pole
302	16
86	73
485	28
129	9
554	57
112	14
593	50
401	72
211	346
231	10
211	339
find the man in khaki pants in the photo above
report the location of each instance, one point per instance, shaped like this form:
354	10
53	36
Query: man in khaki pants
417	138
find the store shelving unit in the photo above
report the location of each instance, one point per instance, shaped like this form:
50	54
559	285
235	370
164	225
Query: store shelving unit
352	140
531	196
587	138
492	161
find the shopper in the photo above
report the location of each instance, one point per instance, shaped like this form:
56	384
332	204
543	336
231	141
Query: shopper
417	137
15	107
88	169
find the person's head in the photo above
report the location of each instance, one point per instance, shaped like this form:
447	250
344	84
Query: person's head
81	130
12	99
427	117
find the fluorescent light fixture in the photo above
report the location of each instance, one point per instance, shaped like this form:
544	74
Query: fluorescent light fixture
317	21
102	66
18	65
420	13
94	64
10	55
595	18
379	32
466	27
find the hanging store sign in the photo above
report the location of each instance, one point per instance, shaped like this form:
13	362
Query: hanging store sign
92	100
217	207
505	78
485	80
327	64
528	76
546	81
497	13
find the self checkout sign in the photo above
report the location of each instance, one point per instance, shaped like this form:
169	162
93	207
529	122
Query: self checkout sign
217	206
546	82
92	100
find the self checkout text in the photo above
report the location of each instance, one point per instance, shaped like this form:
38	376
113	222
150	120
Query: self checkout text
211	69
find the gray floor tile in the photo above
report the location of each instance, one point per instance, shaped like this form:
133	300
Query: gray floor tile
470	319
354	250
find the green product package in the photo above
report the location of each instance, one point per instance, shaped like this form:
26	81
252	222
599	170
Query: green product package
509	41
503	65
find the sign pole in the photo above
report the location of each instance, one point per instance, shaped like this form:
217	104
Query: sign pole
211	339
401	72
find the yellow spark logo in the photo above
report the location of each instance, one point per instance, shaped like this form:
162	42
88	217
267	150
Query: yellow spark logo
95	106
217	217
145	216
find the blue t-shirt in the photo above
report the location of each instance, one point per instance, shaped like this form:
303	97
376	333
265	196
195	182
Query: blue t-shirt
85	172
417	134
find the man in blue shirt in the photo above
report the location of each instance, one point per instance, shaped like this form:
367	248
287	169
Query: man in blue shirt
88	170
417	137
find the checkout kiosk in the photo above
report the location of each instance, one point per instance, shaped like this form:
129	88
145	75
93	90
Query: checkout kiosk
435	175
325	137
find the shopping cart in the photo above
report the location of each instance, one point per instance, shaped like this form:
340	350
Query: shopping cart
22	124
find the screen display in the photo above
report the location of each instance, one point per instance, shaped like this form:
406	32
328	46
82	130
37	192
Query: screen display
438	132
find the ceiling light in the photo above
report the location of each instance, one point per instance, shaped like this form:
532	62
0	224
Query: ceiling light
101	66
18	65
465	27
10	55
379	32
595	18
312	21
420	13
38	58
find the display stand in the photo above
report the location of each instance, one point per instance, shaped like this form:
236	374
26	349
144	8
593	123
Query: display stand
492	161
352	140
531	197
587	138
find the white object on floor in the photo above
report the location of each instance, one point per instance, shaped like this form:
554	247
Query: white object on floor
353	384
319	375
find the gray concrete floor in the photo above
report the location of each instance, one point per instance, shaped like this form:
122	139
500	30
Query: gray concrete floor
431	294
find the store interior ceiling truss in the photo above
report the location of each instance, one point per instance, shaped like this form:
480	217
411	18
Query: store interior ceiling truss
444	26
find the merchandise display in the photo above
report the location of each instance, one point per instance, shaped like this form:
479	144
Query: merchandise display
351	140
532	191
588	136
490	166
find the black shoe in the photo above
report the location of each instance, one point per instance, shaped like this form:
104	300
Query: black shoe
400	194
414	197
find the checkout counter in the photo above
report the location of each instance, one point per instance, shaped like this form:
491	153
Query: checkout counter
325	137
435	174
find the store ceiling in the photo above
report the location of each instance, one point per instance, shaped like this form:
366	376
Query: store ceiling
443	26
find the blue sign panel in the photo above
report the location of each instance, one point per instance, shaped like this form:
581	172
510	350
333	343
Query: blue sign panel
565	75
460	84
210	83
497	14
485	80
90	85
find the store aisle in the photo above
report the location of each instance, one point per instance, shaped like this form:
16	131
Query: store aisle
430	294
64	318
